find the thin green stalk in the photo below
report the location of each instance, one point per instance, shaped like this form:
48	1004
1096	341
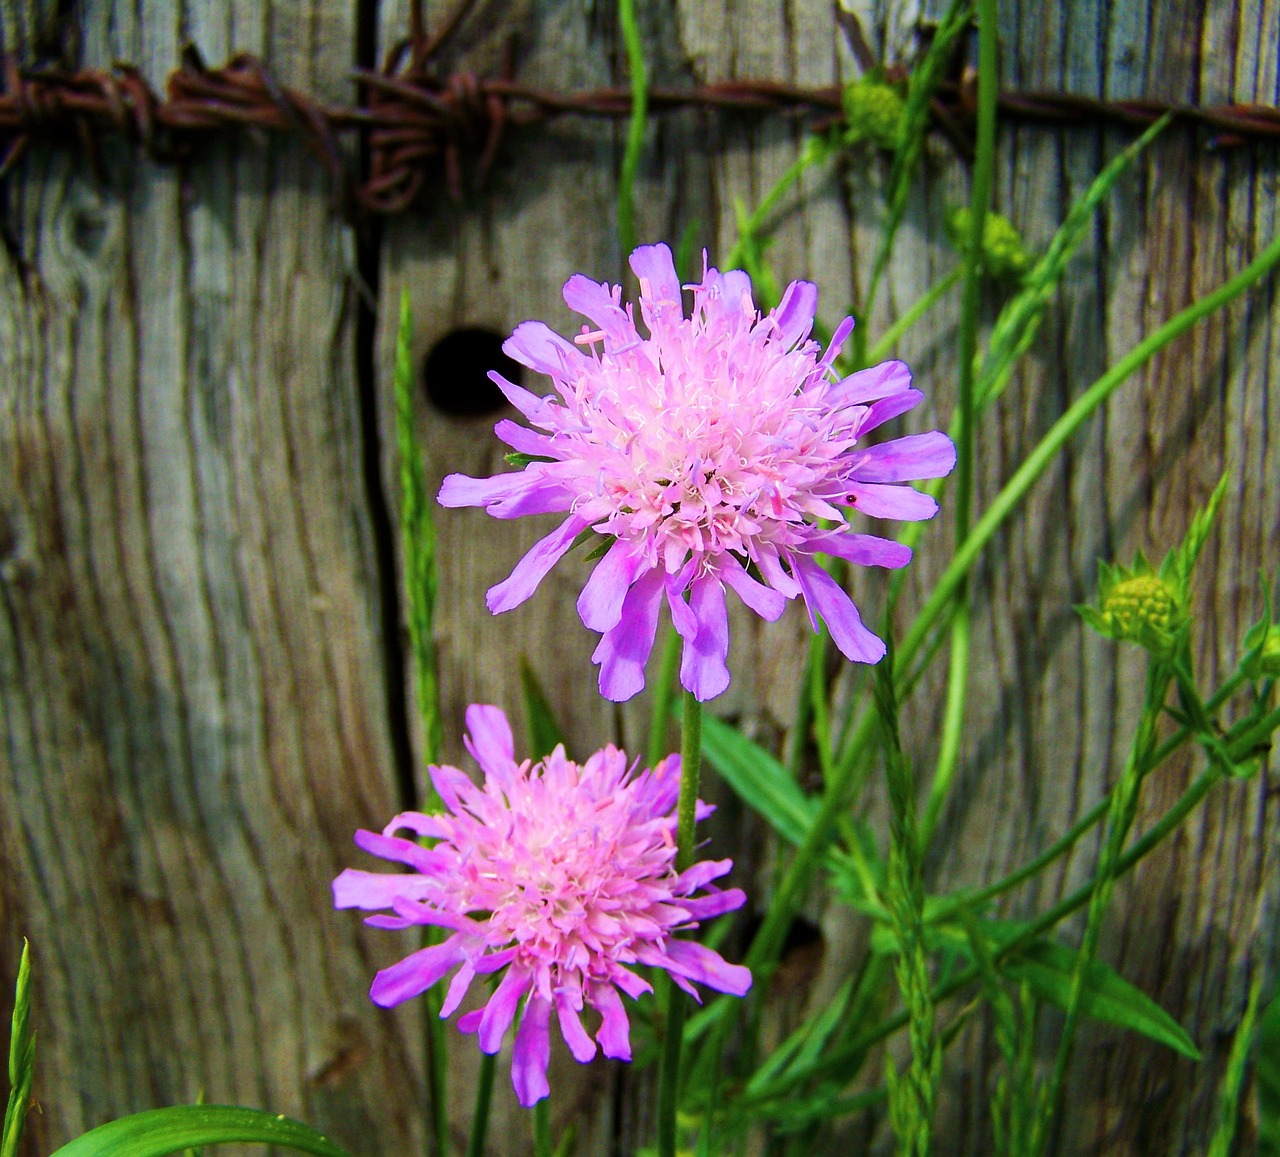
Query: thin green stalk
911	1095
815	150
662	689
1124	806
925	302
542	1128
952	724
669	1076
636	126
418	539
480	1115
966	407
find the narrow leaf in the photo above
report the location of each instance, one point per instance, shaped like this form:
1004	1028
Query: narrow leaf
1046	967
542	727
158	1132
762	783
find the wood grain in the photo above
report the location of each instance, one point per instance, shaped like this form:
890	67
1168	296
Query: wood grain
194	712
193	669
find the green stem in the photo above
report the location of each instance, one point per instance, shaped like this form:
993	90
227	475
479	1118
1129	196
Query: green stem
542	1128
966	408
636	127
811	154
1124	806
690	769
686	809
484	1095
662	689
436	1059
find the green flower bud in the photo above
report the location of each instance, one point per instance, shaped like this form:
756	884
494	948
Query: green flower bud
1003	255
1138	605
873	112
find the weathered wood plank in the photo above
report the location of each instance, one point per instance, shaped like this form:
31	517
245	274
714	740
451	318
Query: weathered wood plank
193	670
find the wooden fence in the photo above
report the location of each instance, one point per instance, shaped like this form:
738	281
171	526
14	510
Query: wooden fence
202	673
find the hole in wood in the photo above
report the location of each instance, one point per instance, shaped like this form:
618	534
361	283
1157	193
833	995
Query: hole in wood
456	373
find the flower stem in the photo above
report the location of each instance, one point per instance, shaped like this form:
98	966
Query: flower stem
636	127
669	1078
690	767
1124	806
662	688
484	1094
542	1128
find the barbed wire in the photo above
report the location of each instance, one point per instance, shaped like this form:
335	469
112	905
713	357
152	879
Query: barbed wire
418	125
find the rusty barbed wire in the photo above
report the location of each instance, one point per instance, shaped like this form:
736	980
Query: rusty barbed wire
417	124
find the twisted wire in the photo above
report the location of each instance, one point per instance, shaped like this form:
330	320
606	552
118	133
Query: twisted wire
420	126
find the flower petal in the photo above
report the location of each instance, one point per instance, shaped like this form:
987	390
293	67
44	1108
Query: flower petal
700	963
458	987
371	891
416	973
532	569
859	549
878	413
614	1033
532	1052
529	404
501	1009
702	662
765	601
794	315
624	650
878	381
836	344
908	459
523	439
536	345
491	743
877	500
825	598
575	1036
600	603
601	305
660	301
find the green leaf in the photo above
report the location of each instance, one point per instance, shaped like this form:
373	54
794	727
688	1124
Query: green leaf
1046	967
161	1131
541	725
762	783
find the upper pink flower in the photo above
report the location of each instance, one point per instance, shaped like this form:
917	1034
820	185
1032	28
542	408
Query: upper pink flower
563	875
707	452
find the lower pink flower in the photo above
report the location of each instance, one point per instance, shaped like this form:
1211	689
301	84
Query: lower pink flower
559	876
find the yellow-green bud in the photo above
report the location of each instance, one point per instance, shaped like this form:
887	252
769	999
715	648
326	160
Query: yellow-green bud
873	112
1140	606
1003	255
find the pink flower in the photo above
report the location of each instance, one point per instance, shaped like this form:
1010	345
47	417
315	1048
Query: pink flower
563	875
705	454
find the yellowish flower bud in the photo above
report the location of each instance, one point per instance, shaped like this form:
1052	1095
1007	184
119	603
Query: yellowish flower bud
1140	605
873	112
